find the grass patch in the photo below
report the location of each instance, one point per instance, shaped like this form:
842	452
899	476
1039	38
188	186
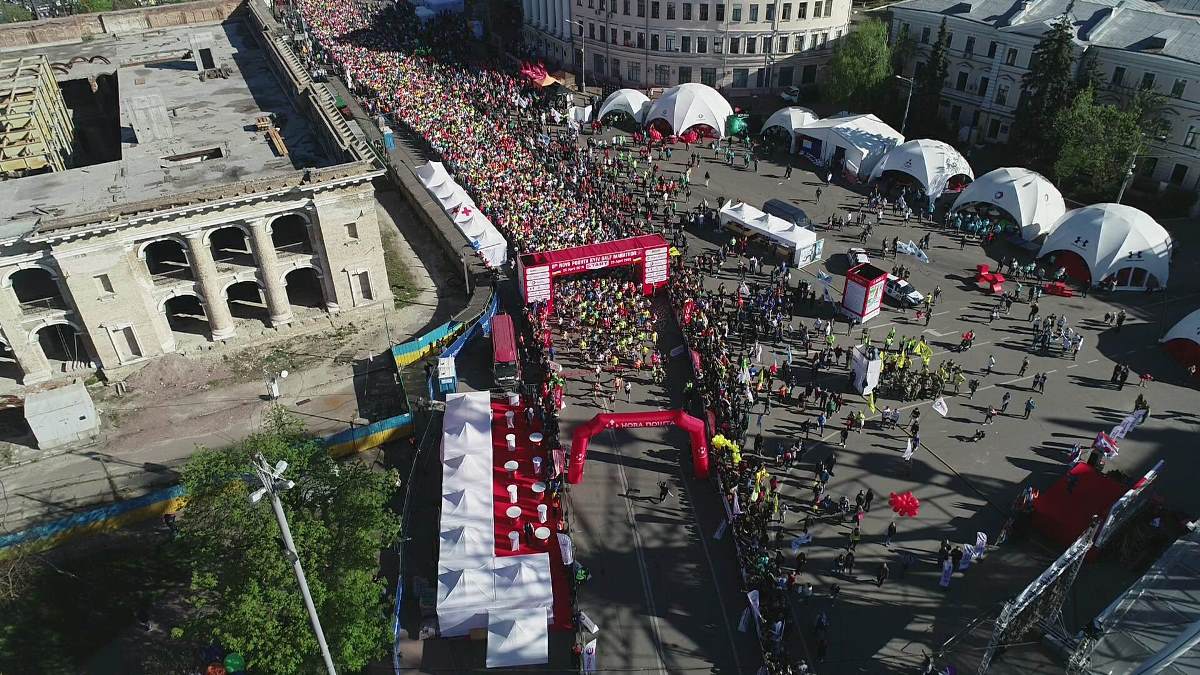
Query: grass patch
400	277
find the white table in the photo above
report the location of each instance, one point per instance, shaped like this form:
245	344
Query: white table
542	533
536	437
513	512
539	488
511	467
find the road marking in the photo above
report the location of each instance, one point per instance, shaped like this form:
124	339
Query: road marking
702	535
938	333
641	558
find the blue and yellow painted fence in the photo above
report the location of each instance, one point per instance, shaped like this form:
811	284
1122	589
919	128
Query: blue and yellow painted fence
360	439
408	353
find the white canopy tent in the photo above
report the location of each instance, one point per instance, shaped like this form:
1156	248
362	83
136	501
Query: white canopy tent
1188	328
861	140
1114	241
464	595
467	217
791	119
932	163
629	101
517	637
464	541
1028	196
523	581
803	243
686	105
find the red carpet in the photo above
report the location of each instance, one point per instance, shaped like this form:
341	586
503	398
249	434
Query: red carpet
524	455
1062	516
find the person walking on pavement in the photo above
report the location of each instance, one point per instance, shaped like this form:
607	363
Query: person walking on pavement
870	497
707	179
1004	402
991	412
628	391
663	491
991	363
1029	406
891	532
971	387
882	575
818	199
787	172
1024	367
1120	316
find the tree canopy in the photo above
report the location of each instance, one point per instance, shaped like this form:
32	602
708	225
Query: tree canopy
927	98
1048	87
1098	142
243	593
10	13
861	66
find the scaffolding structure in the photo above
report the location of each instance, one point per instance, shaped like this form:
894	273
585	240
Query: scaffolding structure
37	134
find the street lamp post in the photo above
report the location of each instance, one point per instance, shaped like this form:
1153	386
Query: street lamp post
582	54
907	102
272	485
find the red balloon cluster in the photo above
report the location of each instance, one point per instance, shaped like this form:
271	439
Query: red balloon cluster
690	136
655	135
904	503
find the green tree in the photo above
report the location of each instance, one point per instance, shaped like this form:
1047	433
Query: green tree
1097	144
1047	87
10	13
924	116
861	66
903	50
89	6
243	592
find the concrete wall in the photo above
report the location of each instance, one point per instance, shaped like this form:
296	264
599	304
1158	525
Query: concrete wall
72	29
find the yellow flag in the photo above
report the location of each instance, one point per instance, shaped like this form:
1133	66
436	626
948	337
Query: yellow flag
871	402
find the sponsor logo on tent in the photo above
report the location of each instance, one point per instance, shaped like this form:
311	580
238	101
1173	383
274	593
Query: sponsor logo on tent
999	195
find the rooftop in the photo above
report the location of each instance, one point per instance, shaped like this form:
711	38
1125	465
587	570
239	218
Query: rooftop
177	133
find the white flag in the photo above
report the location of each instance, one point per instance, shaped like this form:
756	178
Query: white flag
980	544
916	251
590	664
940	406
908	451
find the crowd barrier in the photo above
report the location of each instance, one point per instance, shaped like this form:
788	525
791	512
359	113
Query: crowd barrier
408	353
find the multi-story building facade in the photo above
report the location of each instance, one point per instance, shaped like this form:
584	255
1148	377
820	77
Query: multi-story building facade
1135	44
737	47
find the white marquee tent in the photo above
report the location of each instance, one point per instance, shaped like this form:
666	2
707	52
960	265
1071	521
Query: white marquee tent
1113	240
1183	340
464	596
630	101
687	105
1028	196
791	119
803	244
523	581
932	163
861	140
517	638
467	217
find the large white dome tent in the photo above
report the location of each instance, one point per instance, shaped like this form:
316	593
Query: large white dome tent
1183	340
1115	243
629	101
790	119
1027	196
932	163
691	104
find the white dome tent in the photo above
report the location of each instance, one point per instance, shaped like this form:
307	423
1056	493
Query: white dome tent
932	163
791	120
1032	200
687	105
629	101
1183	340
1111	242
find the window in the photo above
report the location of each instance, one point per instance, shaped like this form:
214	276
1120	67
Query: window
961	83
591	4
992	50
812	41
924	31
751	45
918	68
993	129
753	13
718	45
703	11
654	42
1179	173
352	230
1010	59
783	44
809	74
642	8
1118	78
685	74
828	7
1147	166
670	42
740	76
126	343
591	31
817	9
1147	81
736	16
766	44
635	72
685	44
969	48
687	11
708	77
733	45
720	9
628	36
662	75
701	45
1178	88
786	76
106	287
612	35
983	86
616	68
787	12
625	6
362	283
654	10
1188	141
949	40
824	39
802	10
760	80
641	43
671	11
770	12
1002	94
955	114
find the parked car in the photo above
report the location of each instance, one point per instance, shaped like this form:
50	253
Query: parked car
902	292
791	95
857	256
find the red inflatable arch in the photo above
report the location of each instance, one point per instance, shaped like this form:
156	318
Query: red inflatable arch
635	420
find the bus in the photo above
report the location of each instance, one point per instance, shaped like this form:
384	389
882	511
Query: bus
506	364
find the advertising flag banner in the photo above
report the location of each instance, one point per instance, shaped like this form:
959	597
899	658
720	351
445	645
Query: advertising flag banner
590	664
980	544
940	406
947	570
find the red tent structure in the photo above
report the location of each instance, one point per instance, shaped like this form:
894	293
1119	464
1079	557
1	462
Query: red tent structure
635	420
537	271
